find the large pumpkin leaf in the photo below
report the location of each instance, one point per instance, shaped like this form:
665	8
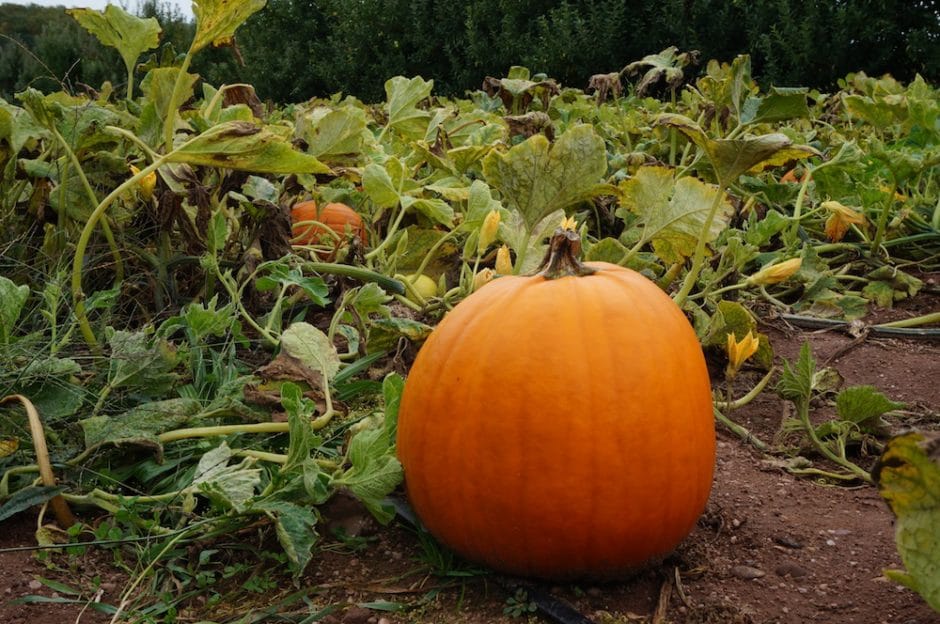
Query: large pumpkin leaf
908	477
114	27
246	147
732	157
17	127
673	211
329	132
778	105
378	185
536	178
157	87
435	209
403	96
217	20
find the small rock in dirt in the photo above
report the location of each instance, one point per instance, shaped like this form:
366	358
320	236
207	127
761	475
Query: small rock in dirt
34	585
384	621
356	615
790	569
788	541
746	572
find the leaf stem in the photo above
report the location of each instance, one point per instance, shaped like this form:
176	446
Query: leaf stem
699	256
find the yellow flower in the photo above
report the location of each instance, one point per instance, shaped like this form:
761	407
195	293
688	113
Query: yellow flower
739	352
776	273
488	230
503	261
840	219
147	183
483	277
568	223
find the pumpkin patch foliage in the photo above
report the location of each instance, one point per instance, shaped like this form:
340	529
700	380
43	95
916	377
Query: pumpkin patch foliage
219	318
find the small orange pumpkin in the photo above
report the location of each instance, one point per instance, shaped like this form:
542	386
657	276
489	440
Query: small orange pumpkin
336	216
560	425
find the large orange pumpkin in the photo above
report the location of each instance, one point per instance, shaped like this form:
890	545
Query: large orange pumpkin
560	425
336	216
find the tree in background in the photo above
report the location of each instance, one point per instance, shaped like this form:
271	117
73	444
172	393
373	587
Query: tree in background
293	50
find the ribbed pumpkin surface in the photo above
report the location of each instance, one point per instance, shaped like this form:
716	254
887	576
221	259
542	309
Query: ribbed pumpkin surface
560	428
336	216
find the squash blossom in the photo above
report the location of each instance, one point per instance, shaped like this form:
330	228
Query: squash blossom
568	223
488	230
503	261
776	273
840	218
483	277
739	352
147	183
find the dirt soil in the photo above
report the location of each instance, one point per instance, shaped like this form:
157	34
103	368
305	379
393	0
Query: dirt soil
771	548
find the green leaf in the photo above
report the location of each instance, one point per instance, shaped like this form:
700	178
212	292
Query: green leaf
20	129
139	362
437	210
479	204
302	437
312	348
796	381
375	471
332	132
130	35
228	486
732	157
378	185
908	478
780	104
27	498
673	211
12	300
760	232
392	387
529	245
217	20
860	404
246	147
889	284
157	87
536	178
402	98
295	531
281	274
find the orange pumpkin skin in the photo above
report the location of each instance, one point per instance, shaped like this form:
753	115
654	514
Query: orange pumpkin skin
336	216
560	428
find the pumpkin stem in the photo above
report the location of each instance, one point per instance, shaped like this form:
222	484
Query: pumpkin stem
562	258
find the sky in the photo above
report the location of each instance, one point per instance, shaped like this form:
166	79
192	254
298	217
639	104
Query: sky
184	6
